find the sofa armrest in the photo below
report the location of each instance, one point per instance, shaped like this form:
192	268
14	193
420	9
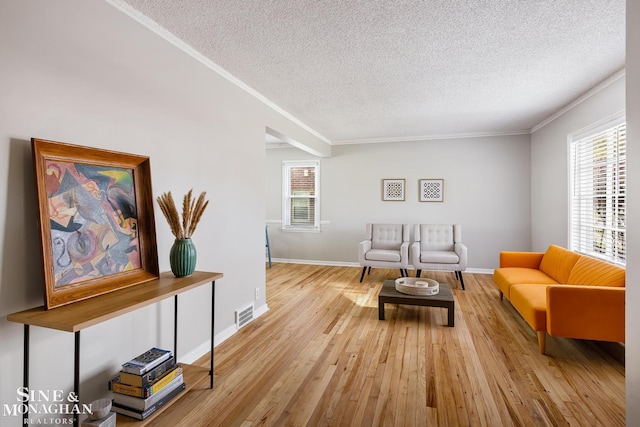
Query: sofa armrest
363	248
461	250
404	254
415	253
521	259
586	312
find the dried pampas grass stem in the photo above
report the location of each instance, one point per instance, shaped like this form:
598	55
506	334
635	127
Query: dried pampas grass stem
191	213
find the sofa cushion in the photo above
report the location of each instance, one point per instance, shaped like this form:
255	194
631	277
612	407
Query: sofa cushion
557	263
439	257
383	255
594	272
387	236
434	237
506	277
531	302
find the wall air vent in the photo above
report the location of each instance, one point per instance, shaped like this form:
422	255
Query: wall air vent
244	316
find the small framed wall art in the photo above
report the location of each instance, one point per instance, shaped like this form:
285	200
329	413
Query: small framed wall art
431	190
393	189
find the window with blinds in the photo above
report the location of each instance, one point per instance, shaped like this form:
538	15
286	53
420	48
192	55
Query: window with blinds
598	194
300	201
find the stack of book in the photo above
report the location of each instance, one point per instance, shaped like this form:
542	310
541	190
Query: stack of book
146	383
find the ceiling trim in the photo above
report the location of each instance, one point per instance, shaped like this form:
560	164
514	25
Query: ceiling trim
162	32
430	137
579	100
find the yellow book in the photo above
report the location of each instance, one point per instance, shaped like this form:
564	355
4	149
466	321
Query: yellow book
144	392
150	377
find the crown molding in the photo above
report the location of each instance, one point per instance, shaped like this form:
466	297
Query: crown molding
430	137
171	38
582	98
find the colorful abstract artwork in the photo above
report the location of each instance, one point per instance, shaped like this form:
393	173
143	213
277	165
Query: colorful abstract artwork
93	221
97	228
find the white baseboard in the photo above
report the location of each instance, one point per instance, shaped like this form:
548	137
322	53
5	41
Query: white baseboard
314	262
218	339
355	264
196	353
479	270
260	310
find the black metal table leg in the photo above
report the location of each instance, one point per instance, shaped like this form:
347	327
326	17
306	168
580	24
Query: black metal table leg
175	328
76	373
213	302
25	372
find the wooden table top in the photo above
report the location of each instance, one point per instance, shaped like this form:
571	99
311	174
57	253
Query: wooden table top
82	314
389	291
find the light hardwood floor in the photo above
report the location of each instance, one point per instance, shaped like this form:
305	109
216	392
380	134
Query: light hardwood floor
320	356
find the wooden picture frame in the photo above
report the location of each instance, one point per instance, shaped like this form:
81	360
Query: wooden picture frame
393	189
96	221
431	190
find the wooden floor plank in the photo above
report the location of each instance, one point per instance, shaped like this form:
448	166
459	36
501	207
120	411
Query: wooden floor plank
321	357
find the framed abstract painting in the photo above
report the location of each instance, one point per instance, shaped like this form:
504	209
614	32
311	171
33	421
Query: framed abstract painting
96	221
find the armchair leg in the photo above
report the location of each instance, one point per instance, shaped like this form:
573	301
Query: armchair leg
459	273
406	273
402	272
418	272
542	341
364	269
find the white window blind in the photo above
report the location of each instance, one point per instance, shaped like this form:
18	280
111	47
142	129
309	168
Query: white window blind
300	198
598	194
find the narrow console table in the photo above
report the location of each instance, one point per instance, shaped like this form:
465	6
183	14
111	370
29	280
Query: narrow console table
83	314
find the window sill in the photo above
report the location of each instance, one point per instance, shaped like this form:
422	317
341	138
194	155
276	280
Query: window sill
300	230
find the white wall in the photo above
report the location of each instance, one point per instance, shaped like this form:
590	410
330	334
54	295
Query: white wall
549	201
82	72
633	226
549	164
487	190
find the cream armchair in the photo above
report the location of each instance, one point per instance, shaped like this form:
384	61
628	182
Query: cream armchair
386	246
439	247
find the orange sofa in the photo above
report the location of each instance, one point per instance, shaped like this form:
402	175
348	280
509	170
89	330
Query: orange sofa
564	294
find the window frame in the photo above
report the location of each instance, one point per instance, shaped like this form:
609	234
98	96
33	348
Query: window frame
288	224
581	239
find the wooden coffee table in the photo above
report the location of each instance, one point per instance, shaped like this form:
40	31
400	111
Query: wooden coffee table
389	295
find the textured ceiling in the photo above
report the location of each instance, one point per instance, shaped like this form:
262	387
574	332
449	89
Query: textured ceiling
357	70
